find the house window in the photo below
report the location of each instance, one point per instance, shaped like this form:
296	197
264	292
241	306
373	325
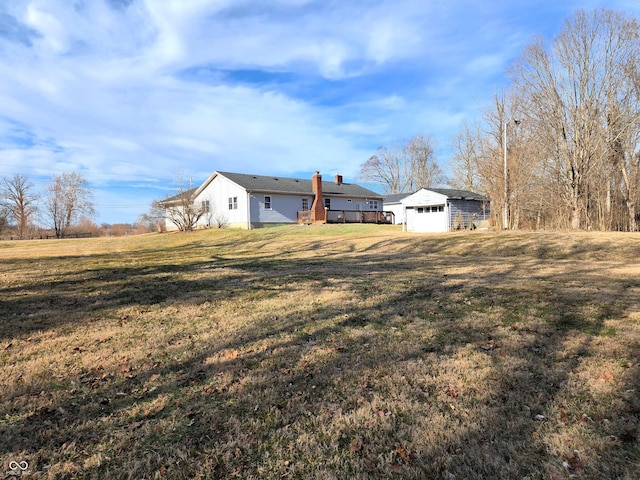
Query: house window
233	203
327	203
205	207
441	208
267	202
305	204
420	210
373	204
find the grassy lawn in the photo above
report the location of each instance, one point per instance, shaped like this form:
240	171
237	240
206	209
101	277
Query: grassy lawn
322	352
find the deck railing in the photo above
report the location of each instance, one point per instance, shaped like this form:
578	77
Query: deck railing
304	216
351	216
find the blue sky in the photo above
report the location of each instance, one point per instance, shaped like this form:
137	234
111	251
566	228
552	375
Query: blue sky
131	93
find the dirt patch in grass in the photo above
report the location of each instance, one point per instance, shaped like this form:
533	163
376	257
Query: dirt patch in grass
321	352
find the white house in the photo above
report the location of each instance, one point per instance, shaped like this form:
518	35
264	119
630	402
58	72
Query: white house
249	201
443	210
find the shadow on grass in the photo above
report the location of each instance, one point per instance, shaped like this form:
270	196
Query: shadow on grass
431	371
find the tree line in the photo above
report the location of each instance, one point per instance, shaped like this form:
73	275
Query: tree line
561	147
63	201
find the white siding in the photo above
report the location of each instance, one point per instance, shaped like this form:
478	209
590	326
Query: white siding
397	209
169	225
218	192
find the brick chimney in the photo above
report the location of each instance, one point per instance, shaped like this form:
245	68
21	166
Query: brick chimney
318	213
338	179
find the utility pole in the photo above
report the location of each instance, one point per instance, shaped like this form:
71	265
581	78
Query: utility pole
505	207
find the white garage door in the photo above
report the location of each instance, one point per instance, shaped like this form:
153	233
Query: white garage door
430	219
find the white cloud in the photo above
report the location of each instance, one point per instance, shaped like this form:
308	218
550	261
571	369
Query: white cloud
99	85
51	29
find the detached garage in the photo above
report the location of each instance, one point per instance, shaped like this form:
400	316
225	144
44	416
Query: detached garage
443	210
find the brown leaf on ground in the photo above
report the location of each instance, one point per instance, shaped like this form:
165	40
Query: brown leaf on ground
404	453
564	418
355	445
369	465
574	462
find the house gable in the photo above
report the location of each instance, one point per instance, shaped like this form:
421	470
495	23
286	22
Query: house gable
227	201
425	197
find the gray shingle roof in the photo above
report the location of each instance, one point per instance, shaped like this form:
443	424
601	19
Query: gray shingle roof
263	183
396	197
451	193
179	197
456	194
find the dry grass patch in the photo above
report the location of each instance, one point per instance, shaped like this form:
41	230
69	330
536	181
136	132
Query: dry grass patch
333	352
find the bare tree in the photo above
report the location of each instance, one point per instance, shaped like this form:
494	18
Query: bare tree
385	168
499	158
154	220
403	168
180	209
68	197
220	220
4	219
18	198
571	87
468	153
212	216
424	170
623	125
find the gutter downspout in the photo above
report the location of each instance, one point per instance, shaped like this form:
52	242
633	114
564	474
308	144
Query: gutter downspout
248	209
447	209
